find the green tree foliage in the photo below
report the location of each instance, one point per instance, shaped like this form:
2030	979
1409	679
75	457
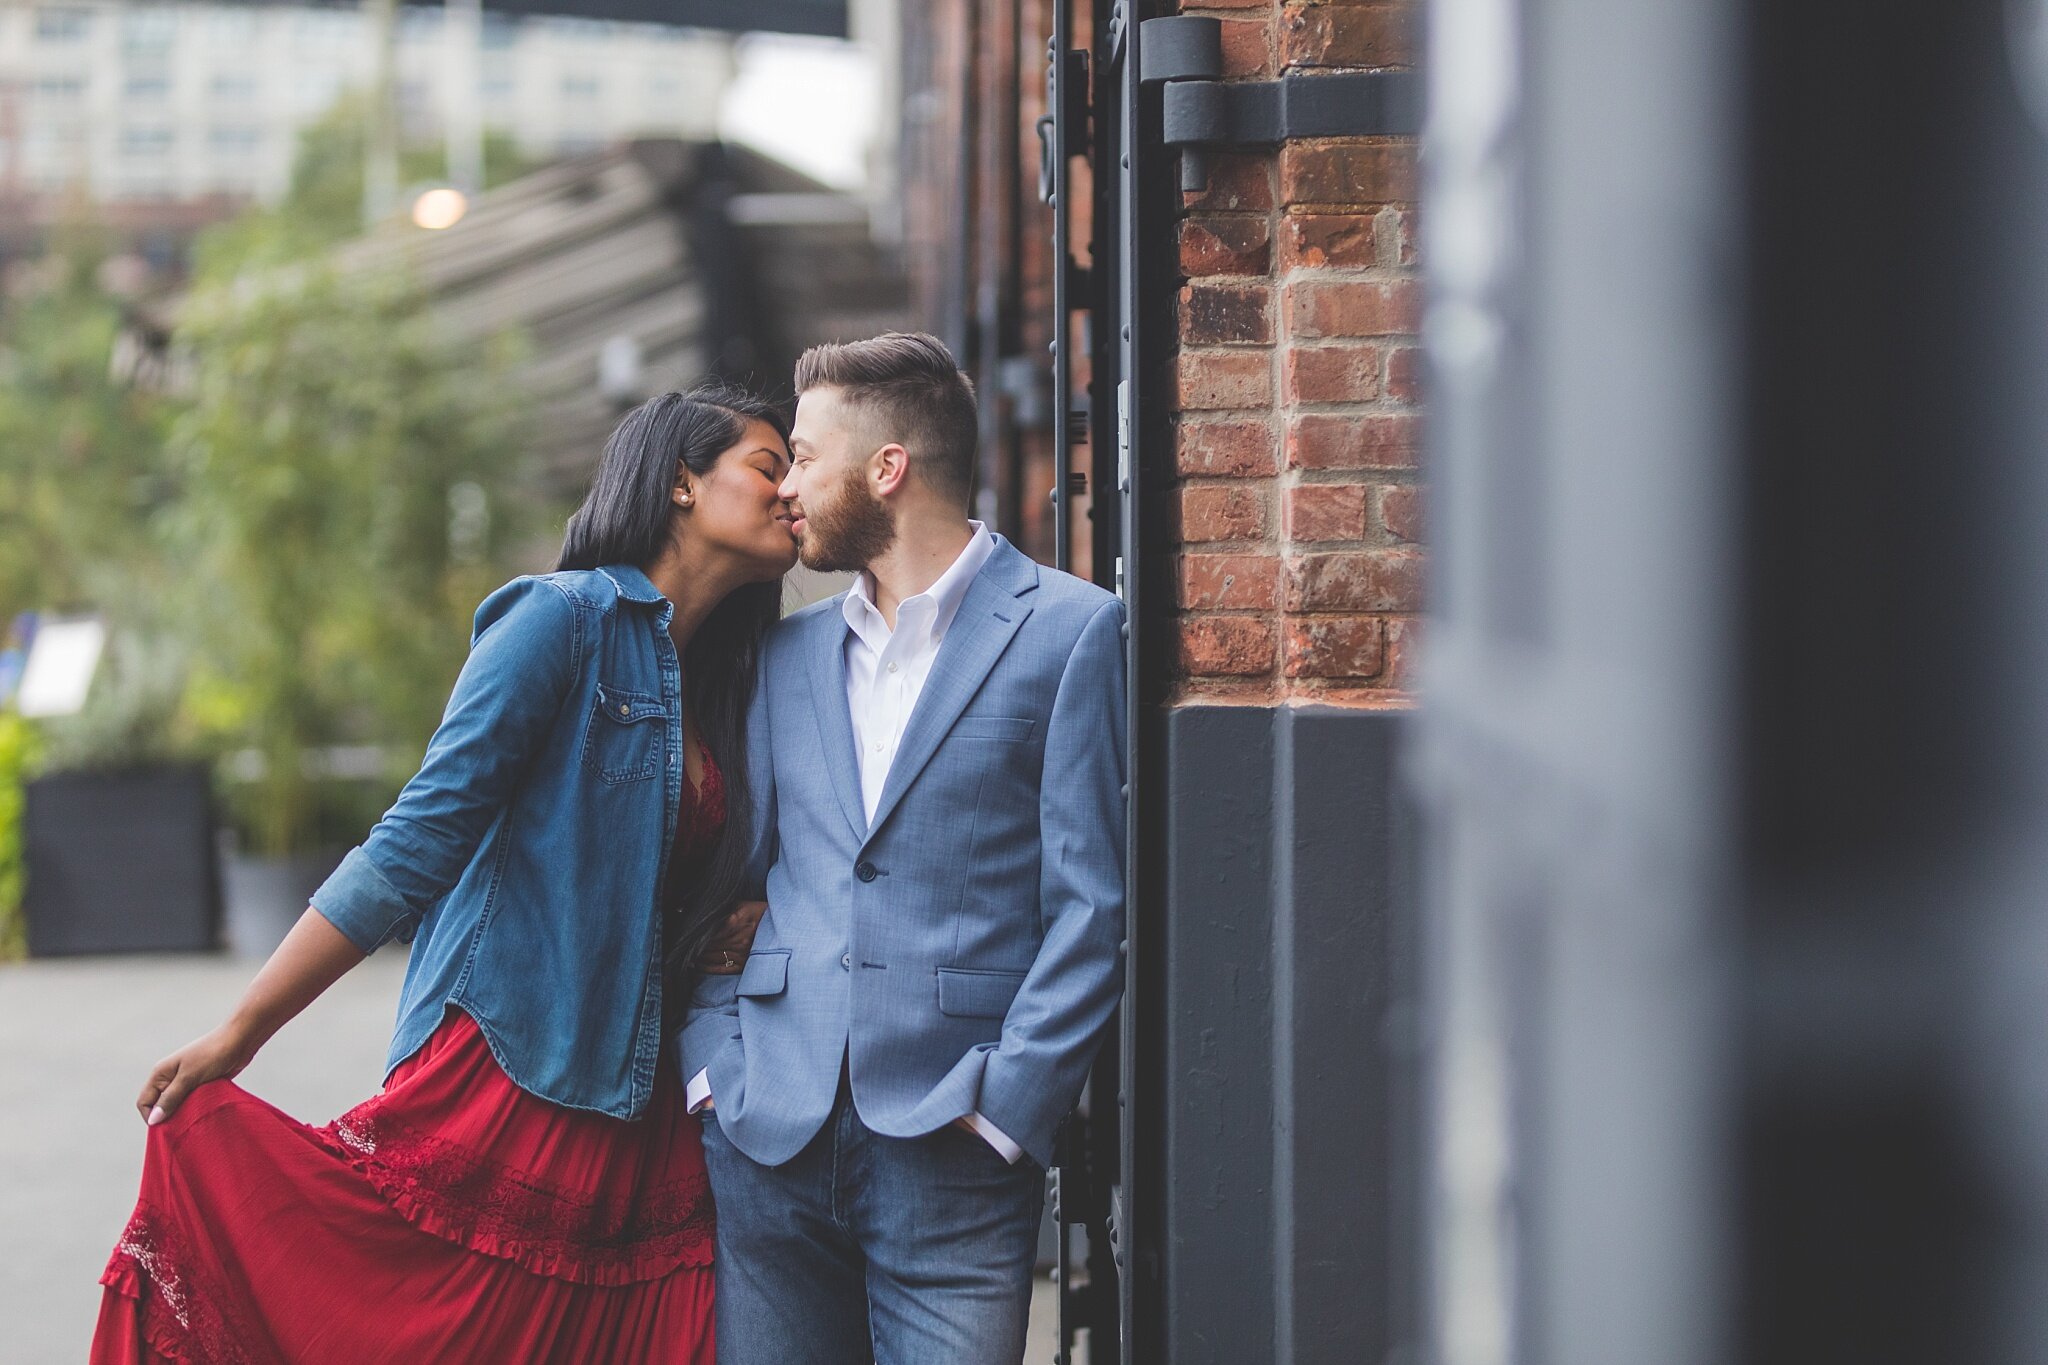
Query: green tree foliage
295	533
334	451
354	479
17	762
79	475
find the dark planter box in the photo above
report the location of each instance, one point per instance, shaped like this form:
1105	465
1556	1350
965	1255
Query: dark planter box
121	862
262	898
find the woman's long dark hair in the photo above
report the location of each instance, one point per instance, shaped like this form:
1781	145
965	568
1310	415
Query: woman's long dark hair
627	518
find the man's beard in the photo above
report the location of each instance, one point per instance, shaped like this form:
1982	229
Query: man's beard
848	533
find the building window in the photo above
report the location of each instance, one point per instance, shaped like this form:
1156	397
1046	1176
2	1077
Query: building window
141	143
155	85
148	31
580	87
230	85
320	29
62	25
231	25
60	87
234	141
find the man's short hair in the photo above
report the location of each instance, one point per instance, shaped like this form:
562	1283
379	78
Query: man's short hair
908	391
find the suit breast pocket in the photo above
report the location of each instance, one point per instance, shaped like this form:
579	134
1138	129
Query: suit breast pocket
1014	729
622	740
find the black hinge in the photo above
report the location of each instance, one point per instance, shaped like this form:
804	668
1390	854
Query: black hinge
1199	111
1072	90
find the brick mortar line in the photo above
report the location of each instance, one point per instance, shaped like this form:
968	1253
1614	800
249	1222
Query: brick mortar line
1335	478
1331	274
1349	407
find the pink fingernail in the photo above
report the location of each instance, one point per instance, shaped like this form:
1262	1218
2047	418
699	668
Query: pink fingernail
156	1116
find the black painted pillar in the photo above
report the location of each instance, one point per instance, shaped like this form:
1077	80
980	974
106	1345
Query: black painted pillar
1288	1037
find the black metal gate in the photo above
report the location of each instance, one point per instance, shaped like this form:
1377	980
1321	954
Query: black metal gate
1111	355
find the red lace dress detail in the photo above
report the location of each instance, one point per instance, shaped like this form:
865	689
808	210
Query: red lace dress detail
453	1217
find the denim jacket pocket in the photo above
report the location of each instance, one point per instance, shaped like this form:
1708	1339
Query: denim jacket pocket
622	741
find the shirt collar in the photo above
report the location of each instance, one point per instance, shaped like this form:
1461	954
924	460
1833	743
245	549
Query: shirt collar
633	584
945	594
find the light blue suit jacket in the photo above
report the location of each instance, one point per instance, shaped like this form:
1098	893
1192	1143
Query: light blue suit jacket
960	952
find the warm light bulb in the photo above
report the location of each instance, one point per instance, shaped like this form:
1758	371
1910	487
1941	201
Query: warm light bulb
439	208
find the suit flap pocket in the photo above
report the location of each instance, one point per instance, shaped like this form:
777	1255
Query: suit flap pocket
973	994
714	991
766	973
993	727
625	707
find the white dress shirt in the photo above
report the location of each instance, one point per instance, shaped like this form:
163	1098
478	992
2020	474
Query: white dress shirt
885	674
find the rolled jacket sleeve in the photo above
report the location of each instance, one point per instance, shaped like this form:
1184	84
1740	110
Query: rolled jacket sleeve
524	657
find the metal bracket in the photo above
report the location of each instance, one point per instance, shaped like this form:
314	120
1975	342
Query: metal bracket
1071	88
1184	54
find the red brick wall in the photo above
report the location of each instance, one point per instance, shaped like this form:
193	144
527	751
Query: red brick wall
1296	423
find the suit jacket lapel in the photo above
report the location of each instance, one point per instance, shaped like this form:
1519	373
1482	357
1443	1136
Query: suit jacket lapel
988	618
827	667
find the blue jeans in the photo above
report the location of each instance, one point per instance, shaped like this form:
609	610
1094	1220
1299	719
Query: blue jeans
900	1251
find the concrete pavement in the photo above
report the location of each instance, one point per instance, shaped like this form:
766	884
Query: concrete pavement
77	1037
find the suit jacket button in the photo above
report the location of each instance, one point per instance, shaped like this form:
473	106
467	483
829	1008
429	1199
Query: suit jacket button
865	870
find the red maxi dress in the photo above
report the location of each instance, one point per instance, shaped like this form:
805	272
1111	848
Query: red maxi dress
452	1218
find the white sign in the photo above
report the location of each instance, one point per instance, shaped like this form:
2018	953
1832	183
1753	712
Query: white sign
60	666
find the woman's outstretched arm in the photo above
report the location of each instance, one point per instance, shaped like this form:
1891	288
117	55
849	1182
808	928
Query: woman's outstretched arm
313	956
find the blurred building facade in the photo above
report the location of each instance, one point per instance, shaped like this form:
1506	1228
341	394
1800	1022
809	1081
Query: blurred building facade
182	102
155	120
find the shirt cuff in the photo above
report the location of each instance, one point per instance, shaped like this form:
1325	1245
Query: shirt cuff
697	1093
358	900
992	1135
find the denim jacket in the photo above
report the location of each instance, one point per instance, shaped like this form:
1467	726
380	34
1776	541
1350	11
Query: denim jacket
524	862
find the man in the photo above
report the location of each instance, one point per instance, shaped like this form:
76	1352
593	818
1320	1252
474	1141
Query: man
936	759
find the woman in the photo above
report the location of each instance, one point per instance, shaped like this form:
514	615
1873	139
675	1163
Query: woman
527	1186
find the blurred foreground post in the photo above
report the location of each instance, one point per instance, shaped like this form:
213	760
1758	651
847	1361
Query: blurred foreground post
1735	755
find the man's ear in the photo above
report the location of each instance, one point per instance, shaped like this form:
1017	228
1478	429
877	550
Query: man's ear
888	469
